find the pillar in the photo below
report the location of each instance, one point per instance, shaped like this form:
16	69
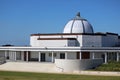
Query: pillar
65	55
15	57
80	55
22	55
27	56
105	57
11	56
52	57
5	54
117	56
39	59
10	53
93	55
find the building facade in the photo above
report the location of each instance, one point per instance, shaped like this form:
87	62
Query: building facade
77	48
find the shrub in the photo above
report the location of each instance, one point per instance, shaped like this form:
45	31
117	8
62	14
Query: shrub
110	66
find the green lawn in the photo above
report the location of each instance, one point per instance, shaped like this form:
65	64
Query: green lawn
7	75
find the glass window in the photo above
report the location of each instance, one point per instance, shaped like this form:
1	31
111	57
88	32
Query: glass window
62	55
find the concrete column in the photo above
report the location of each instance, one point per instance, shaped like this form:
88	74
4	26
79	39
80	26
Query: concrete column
117	56
105	57
11	56
39	57
22	55
93	55
66	55
80	55
5	54
10	53
52	57
27	56
15	57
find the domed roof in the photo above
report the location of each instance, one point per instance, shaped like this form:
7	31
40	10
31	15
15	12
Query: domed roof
78	25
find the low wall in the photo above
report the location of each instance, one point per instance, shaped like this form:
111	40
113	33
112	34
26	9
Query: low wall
69	65
2	60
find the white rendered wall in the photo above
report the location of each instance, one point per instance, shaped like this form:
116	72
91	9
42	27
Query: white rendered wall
80	42
71	43
2	57
96	55
34	54
2	53
11	55
69	65
41	43
47	43
57	55
48	58
91	41
109	40
18	55
33	40
98	40
53	43
118	41
71	55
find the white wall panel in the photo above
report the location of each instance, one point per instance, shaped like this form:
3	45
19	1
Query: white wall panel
91	41
34	54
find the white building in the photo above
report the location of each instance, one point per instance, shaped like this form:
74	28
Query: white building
77	48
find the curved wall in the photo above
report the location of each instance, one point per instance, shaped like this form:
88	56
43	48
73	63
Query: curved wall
69	65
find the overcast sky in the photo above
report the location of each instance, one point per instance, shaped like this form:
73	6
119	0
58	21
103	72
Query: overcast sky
20	18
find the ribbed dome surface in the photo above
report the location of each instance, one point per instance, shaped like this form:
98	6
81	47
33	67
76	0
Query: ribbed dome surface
78	25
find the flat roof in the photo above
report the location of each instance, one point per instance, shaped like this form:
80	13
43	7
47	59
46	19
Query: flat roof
62	49
54	34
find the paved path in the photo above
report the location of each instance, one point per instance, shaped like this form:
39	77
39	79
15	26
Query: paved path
100	73
28	66
46	67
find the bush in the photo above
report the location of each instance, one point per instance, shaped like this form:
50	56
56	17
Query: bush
110	66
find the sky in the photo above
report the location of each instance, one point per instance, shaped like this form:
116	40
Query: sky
21	18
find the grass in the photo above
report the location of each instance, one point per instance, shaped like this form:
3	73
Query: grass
110	66
8	75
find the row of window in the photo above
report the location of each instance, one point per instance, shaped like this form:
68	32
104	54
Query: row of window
62	55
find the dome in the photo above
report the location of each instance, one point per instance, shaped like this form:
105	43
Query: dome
78	25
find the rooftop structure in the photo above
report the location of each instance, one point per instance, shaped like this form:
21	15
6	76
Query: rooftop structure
78	25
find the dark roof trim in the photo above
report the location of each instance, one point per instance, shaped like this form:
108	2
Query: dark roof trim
111	33
56	39
61	34
7	45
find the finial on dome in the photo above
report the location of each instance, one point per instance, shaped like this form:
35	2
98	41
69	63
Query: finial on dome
78	14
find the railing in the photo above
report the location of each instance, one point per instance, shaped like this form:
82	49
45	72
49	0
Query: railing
2	60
